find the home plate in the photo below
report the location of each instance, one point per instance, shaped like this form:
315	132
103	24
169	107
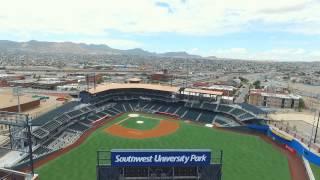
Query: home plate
139	122
133	115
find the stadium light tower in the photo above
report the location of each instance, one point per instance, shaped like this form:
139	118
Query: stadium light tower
19	134
315	136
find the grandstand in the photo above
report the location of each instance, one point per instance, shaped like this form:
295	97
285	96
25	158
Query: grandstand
64	125
156	98
50	115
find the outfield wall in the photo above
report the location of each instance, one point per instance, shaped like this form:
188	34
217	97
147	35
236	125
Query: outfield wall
295	144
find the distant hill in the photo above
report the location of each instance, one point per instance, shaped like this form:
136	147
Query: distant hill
43	47
179	55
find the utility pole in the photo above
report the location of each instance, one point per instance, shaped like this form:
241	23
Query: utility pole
314	120
315	136
19	107
16	92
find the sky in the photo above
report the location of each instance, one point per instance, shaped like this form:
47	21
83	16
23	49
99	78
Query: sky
287	30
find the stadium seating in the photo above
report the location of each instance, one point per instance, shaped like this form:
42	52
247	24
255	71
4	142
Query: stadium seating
163	108
100	114
109	112
39	133
142	104
207	117
209	106
41	150
181	111
224	108
51	125
78	127
115	110
172	109
237	112
86	121
119	107
93	118
64	118
52	114
252	108
127	107
74	113
149	105
64	125
196	105
156	106
220	121
246	116
191	114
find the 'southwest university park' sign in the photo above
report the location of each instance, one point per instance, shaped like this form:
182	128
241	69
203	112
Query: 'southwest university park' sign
195	157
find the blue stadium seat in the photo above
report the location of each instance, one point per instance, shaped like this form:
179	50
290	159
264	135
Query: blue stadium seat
192	114
78	127
237	112
224	108
207	117
209	106
49	116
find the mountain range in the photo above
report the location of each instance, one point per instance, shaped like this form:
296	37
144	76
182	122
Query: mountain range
44	47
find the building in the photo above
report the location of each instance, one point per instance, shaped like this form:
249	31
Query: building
3	83
22	83
200	84
11	77
276	100
160	76
227	90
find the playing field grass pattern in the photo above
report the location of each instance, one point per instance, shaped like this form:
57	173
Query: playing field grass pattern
147	124
245	157
316	171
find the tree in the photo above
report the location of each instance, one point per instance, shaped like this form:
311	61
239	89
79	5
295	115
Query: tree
243	79
257	84
301	104
99	80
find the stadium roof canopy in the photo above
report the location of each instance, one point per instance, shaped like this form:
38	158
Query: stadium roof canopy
112	86
201	91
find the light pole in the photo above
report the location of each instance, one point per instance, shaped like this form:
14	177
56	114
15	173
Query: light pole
314	120
315	136
17	92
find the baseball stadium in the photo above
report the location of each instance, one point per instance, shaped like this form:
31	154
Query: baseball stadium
148	131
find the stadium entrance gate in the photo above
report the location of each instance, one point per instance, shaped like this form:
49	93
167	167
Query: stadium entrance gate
171	164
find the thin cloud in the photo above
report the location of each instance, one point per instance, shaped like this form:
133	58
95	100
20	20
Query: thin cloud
284	54
164	5
287	9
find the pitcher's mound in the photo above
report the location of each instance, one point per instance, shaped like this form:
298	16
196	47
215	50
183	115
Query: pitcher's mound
133	115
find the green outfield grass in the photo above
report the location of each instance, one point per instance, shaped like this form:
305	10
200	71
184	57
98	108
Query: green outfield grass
148	123
245	157
315	170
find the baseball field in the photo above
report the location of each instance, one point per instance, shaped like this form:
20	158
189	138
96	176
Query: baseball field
244	156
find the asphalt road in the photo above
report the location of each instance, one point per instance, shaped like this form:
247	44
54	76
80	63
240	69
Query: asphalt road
243	91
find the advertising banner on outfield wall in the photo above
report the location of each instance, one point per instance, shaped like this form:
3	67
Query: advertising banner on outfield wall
125	158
